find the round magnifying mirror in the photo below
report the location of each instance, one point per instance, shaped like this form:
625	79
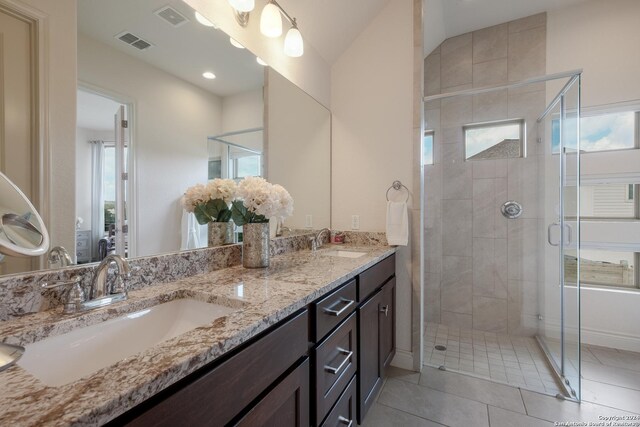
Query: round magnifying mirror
22	231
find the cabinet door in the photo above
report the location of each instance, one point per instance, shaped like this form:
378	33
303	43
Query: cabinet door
387	324
369	367
287	405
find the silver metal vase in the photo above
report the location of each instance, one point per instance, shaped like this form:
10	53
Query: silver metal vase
255	245
219	233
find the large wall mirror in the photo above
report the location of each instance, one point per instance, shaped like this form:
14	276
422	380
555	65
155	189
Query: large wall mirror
166	101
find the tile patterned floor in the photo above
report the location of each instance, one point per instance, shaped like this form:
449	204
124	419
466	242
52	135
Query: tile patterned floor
516	361
610	386
444	398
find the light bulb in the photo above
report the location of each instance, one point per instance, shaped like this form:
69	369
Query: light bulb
208	75
271	21
260	61
204	21
293	44
235	43
243	5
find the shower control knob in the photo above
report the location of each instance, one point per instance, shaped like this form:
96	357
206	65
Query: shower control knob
511	209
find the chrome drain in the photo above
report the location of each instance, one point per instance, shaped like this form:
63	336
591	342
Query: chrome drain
440	348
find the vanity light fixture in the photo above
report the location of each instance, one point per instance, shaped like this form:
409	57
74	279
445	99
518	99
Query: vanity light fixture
293	44
204	21
271	21
235	43
260	61
271	24
208	75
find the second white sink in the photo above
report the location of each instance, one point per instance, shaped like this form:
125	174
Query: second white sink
345	254
66	358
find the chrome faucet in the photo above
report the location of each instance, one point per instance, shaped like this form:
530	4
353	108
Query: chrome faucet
59	255
316	242
100	286
100	295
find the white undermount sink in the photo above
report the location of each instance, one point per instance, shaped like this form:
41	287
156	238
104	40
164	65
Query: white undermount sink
66	358
345	254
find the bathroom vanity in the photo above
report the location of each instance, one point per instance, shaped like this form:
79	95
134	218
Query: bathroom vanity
304	342
322	365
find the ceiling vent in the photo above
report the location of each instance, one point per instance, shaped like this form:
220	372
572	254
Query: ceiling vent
172	16
133	40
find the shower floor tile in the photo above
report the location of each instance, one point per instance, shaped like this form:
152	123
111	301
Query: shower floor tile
517	361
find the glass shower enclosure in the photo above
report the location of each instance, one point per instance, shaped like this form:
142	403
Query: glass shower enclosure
559	291
514	236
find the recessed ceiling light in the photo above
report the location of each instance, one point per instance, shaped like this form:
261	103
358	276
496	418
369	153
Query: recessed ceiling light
235	43
260	61
208	75
204	21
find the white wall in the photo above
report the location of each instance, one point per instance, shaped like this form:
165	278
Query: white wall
372	104
310	72
299	150
602	38
171	122
241	111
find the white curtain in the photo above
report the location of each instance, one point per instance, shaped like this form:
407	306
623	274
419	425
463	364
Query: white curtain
97	196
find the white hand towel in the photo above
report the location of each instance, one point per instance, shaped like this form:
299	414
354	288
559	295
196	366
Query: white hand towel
397	224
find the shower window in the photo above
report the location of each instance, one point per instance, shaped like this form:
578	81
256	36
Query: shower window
494	140
607	131
606	268
427	148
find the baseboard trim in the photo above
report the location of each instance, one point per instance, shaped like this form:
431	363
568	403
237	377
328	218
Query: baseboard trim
403	359
611	339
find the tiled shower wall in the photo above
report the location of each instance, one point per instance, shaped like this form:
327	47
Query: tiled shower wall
481	270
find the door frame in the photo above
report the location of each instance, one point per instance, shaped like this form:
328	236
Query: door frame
40	160
132	189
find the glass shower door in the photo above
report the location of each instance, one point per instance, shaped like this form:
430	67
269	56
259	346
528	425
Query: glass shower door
559	297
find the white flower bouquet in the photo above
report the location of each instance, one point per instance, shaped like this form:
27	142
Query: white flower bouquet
257	201
210	202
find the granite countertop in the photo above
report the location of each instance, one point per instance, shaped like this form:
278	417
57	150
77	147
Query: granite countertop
260	297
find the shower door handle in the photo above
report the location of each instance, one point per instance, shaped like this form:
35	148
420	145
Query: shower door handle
549	228
567	226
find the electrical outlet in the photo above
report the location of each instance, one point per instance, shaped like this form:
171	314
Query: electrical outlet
355	222
308	221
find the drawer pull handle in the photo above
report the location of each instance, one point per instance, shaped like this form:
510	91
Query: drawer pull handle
385	310
343	420
332	312
333	370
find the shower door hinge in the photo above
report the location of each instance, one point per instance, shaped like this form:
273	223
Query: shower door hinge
125	176
125	124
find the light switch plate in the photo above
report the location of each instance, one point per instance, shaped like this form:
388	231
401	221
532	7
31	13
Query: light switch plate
355	222
308	221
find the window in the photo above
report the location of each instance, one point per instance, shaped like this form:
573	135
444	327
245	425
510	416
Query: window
494	140
427	148
606	201
605	268
602	132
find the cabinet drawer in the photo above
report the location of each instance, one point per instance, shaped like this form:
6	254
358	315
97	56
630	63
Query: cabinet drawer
344	413
333	309
221	394
82	243
335	363
287	405
373	278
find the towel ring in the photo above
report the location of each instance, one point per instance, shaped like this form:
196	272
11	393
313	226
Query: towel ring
397	185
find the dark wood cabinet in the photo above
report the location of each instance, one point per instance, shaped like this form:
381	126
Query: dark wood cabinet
217	394
287	405
321	366
376	332
369	366
387	324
